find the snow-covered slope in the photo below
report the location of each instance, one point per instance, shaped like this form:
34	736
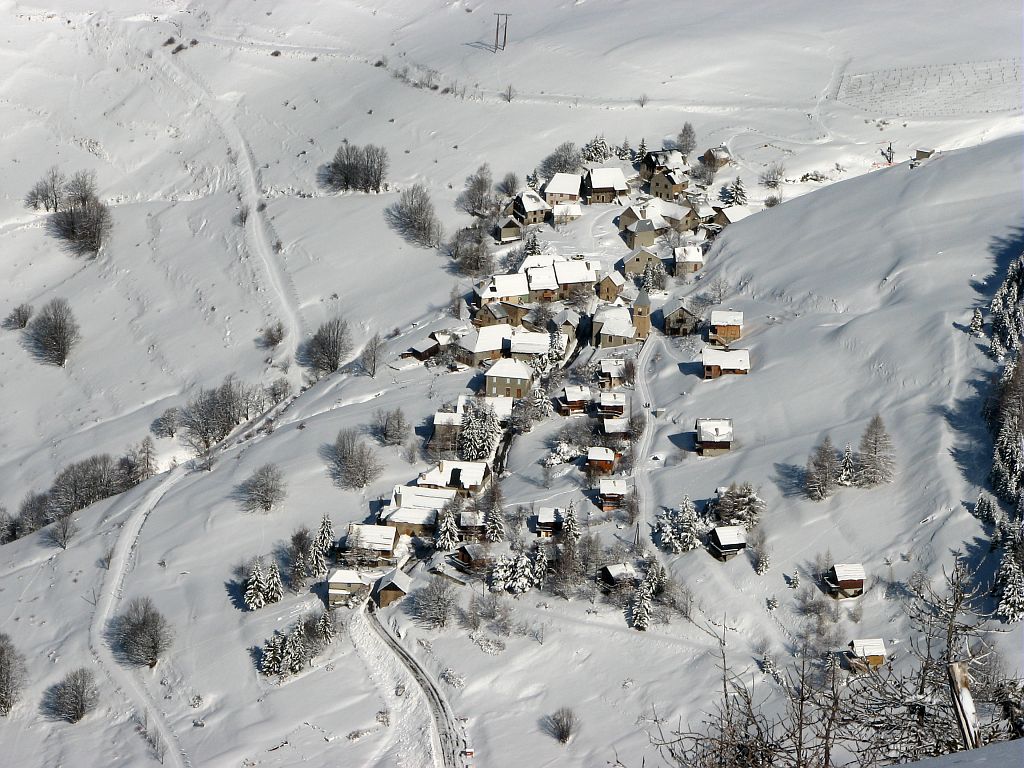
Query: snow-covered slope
854	297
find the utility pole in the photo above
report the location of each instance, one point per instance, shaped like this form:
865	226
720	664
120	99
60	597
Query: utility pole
501	31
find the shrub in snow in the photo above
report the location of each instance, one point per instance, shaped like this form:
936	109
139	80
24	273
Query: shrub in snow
434	604
54	332
563	453
453	678
330	345
563	724
264	489
19	317
75	696
772	603
142	633
413	217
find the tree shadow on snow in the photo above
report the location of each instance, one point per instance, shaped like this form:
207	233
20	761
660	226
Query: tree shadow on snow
789	479
972	448
1005	248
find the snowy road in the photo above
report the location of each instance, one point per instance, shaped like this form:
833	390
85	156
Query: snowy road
641	465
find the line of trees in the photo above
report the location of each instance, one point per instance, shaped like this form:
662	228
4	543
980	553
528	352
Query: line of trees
873	464
355	167
51	333
78	215
76	487
288	653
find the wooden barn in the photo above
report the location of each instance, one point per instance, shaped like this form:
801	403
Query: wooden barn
618	573
726	326
845	580
345	587
601	461
720	362
611	493
574	399
473	557
393	585
726	541
508	230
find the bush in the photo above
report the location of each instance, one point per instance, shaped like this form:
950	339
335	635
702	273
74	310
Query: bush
330	345
413	217
75	696
562	724
19	317
772	176
565	159
166	424
54	332
272	335
210	416
142	633
355	167
264	489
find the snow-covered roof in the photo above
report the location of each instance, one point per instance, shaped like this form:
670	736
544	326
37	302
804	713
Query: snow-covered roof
344	576
665	157
397	578
613	400
849	571
676	175
721	153
570	316
509	221
872	646
732	359
550	514
502	405
734	213
646	225
643	254
702	209
415	497
380	538
532	343
512	369
731	535
616	277
564	184
542	278
690	254
470	518
531	201
673	305
562	210
619	571
446	419
608	178
475	551
539	260
726	317
597	453
613	486
613	366
616	426
713	430
411	516
567	272
575	393
490	338
447	473
502	286
424	346
615	321
669	210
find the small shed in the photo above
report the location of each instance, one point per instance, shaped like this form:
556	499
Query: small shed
473	556
549	521
618	573
471	525
923	153
867	654
726	541
615	425
601	460
509	230
714	436
611	493
613	371
393	585
845	580
423	350
717	157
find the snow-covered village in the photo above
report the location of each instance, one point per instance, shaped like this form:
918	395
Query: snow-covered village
453	384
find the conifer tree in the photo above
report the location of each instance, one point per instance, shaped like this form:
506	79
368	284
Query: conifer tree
538	406
687	139
737	192
679	529
531	247
255	588
446	535
641	607
275	589
876	460
740	505
533	180
570	525
521	578
977	322
299	572
625	152
325	628
764	561
501	574
296	651
641	150
316	565
273	652
826	471
325	536
540	566
479	433
847	467
1011	590
984	508
494	527
555	348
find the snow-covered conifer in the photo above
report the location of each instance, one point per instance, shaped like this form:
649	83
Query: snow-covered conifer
501	574
1011	588
446	536
316	564
275	589
740	505
273	653
533	180
769	667
771	603
479	433
325	628
641	150
494	527
299	572
764	561
641	607
555	348
538	406
984	508
847	467
540	566
521	577
325	536
255	588
794	580
624	152
570	525
977	322
876	459
679	529
295	651
532	246
738	192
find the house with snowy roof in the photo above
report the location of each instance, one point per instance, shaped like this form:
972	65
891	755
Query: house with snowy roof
500	313
687	259
563	213
845	580
612	326
610	285
717	157
636	262
501	405
714	436
611	493
471	525
601	460
574	399
719	362
346	586
615	426
730	214
530	208
725	326
446	428
618	574
605	185
678	319
642	234
413	509
464	477
509	378
866	654
668	184
660	160
542	283
612	373
508	230
567	322
393	585
482	344
611	404
473	557
573	274
549	521
726	541
371	543
513	288
562	188
525	345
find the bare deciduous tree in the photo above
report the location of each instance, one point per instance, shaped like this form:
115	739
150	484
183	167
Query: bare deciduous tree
509	93
75	696
19	317
565	159
330	345
272	335
686	141
142	633
509	184
54	332
413	217
166	424
562	724
264	489
434	604
476	198
13	673
63	530
772	176
372	354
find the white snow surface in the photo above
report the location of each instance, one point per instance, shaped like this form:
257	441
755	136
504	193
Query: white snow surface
855	292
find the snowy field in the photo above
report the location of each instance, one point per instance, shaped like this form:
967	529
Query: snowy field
856	293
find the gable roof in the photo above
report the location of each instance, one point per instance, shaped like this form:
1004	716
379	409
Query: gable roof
490	338
730	535
726	317
512	369
550	514
618	425
615	321
542	278
613	366
849	571
509	221
613	486
564	184
500	286
690	254
451	474
733	213
616	277
395	578
570	316
671	158
560	210
533	343
713	430
342	576
733	359
597	453
873	646
575	394
644	225
607	178
674	305
531	201
636	254
618	571
575	271
380	538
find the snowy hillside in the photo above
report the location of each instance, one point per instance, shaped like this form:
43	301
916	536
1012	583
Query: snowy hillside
856	293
